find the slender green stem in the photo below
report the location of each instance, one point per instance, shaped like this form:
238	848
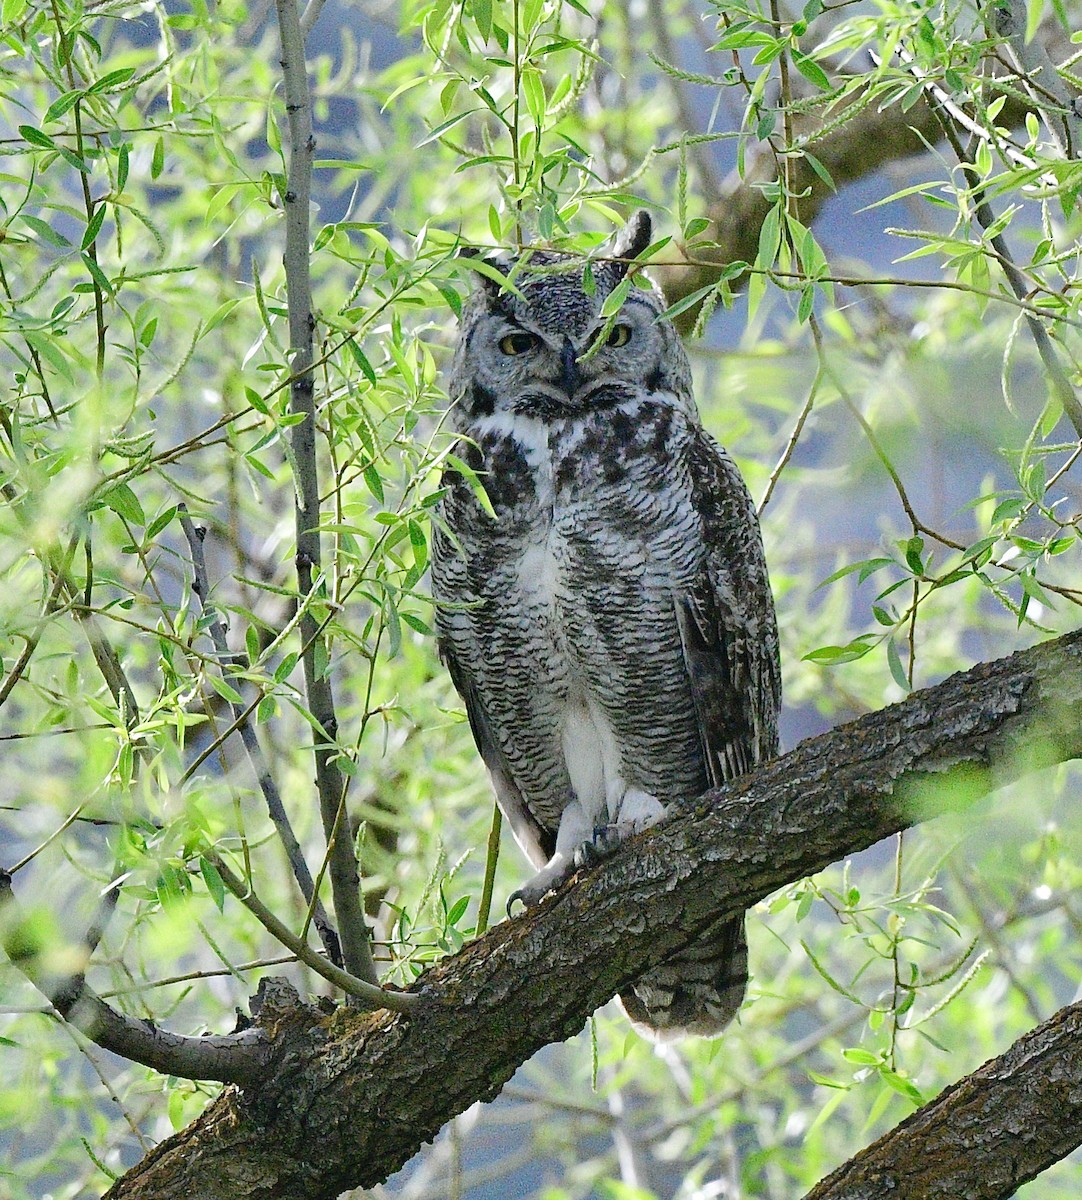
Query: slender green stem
484	909
88	204
516	166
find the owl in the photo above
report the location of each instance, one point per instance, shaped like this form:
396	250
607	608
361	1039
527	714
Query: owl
607	617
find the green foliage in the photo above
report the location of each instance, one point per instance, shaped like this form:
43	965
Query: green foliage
920	506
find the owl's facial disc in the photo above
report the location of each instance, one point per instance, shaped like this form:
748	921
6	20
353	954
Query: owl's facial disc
532	349
544	364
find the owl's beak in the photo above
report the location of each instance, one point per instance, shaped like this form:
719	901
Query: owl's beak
570	375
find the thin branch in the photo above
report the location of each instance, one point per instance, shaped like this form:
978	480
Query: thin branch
1061	116
330	782
798	429
1061	384
267	784
856	138
364	994
917	524
311	15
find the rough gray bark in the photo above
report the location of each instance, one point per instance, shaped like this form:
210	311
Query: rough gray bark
351	1097
986	1135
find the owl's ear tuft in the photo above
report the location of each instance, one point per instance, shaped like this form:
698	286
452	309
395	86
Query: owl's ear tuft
628	244
488	270
633	239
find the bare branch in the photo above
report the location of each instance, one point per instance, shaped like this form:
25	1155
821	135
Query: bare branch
345	880
349	1111
311	15
230	1058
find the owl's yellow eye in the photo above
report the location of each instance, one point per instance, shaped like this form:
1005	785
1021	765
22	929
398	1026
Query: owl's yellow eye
517	343
620	336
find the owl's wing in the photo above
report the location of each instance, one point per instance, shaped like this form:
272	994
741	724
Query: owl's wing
539	844
727	624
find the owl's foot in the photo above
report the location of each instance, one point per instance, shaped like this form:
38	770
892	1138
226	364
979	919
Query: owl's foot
580	844
605	840
551	875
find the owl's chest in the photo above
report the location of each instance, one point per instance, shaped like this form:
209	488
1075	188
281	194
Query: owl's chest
592	510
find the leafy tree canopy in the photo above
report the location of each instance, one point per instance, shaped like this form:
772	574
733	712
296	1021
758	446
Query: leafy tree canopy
215	518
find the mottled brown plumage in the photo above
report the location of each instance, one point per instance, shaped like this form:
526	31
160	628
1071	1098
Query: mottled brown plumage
612	631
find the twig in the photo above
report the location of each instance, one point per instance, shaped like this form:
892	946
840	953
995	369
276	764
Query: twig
311	15
1033	60
794	437
345	881
88	203
1061	384
212	973
364	994
267	785
873	441
83	1044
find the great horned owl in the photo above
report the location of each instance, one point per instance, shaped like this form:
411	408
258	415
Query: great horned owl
611	630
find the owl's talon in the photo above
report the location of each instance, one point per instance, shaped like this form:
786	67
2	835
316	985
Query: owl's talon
529	895
533	891
589	854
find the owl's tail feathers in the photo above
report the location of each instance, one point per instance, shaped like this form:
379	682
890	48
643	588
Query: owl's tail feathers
697	991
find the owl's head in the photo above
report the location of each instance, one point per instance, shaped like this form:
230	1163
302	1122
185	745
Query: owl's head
533	351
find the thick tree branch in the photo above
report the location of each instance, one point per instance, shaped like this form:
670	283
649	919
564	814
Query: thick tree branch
230	1058
868	140
330	782
352	1097
984	1136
